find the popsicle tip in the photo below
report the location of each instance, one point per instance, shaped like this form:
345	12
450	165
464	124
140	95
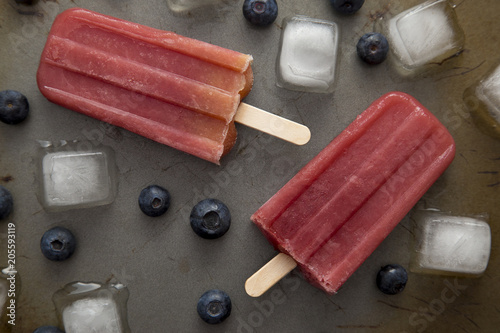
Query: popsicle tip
306	136
251	289
266	277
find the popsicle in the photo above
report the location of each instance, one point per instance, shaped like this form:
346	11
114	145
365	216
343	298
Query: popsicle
172	89
337	209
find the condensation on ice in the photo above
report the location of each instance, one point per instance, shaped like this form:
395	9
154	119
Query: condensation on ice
72	178
179	6
308	55
425	33
489	92
92	315
451	244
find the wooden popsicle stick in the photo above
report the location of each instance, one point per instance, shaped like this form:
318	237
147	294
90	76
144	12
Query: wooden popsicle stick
269	274
272	124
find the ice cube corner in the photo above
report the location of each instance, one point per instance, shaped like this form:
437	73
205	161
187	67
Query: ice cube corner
483	102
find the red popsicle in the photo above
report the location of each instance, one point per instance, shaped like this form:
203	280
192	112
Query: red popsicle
172	89
333	214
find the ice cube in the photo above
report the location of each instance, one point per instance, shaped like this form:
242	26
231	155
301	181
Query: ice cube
93	308
181	6
427	33
308	54
74	179
490	89
483	100
451	245
92	315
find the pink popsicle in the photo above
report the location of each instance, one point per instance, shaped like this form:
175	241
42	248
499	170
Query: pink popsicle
334	213
172	89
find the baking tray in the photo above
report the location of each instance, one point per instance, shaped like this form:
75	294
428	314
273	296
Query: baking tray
164	264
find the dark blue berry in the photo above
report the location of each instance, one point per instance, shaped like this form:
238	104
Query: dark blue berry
210	218
372	48
47	329
260	12
154	200
14	107
6	202
58	244
347	6
391	279
214	306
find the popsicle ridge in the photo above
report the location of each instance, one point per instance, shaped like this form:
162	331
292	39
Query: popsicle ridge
170	133
349	197
141	78
184	85
166	39
201	66
343	203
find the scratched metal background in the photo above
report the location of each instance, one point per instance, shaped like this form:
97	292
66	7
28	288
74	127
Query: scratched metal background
165	265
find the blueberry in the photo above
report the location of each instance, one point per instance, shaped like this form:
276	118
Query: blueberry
372	48
214	306
210	218
260	12
6	202
58	244
154	200
47	329
347	6
391	279
25	2
14	107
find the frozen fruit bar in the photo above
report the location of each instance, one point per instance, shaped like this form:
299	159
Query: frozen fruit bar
333	214
175	90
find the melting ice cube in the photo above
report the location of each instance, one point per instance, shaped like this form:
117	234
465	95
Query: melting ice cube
450	244
92	315
93	308
308	54
180	6
483	100
427	33
491	93
74	179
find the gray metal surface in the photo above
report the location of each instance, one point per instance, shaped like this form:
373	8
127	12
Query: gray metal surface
165	265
